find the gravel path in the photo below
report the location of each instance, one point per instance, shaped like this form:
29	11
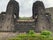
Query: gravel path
6	35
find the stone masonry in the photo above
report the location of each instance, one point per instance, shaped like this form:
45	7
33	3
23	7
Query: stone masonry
9	20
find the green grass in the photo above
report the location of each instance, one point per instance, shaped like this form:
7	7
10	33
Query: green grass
31	35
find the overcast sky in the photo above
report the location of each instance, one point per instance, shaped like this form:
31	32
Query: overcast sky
25	6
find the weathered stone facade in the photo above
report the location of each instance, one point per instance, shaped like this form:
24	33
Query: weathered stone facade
24	25
15	5
8	22
41	20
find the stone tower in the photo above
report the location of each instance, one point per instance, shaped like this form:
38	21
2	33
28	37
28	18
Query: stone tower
41	22
12	9
15	6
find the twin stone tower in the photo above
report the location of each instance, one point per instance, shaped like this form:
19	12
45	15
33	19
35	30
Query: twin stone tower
9	20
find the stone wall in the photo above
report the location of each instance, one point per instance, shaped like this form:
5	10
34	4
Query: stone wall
2	20
24	26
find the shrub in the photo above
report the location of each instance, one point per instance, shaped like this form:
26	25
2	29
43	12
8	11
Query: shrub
31	35
46	33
